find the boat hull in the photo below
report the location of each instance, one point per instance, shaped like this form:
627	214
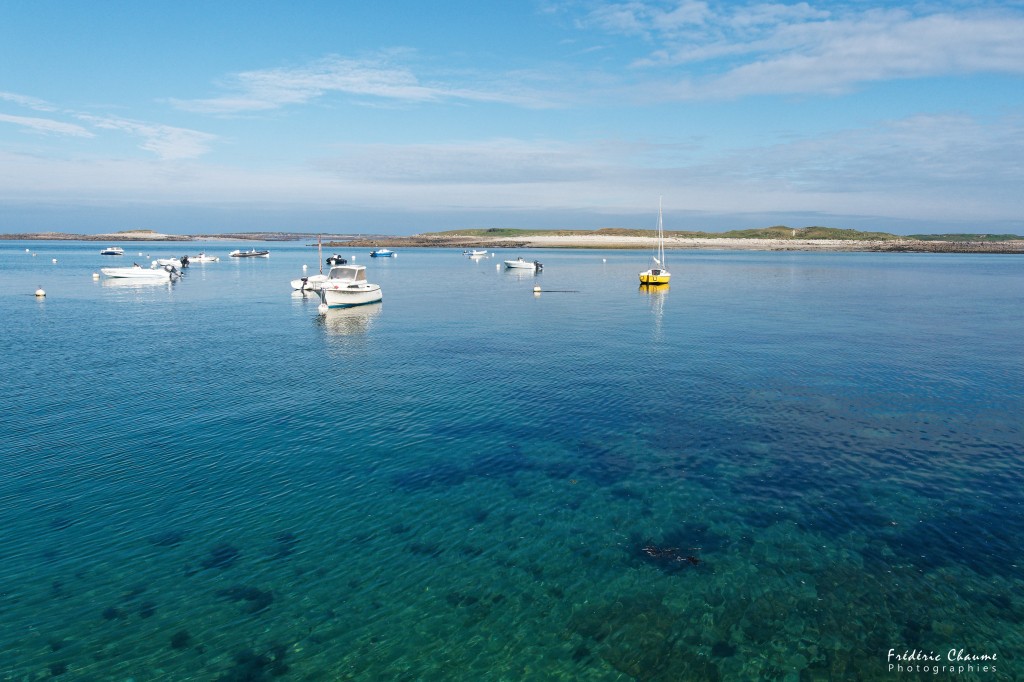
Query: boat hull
523	265
351	296
157	274
654	277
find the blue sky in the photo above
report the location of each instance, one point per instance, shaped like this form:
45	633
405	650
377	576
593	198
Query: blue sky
406	116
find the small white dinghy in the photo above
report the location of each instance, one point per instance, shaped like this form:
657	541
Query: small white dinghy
521	264
311	283
136	271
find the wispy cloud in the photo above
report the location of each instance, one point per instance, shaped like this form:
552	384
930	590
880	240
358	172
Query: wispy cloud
46	125
376	77
784	49
27	101
498	161
167	142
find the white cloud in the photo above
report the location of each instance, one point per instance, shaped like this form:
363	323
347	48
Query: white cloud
940	168
27	102
783	49
45	125
488	162
167	142
375	77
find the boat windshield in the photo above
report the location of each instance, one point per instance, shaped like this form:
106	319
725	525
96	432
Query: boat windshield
348	273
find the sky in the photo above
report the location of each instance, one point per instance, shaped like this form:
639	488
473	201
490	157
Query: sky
403	117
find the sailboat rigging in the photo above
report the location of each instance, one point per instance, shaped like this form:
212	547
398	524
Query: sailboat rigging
658	274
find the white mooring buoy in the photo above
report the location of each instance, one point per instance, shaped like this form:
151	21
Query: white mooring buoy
536	290
95	275
322	308
40	293
54	260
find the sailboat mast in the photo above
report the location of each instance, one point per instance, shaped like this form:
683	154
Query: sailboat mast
320	253
661	236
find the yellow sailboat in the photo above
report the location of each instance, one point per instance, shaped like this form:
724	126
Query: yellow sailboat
658	274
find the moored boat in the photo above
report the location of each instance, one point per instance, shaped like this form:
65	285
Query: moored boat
521	264
335	259
657	274
311	283
112	251
251	253
475	253
136	271
178	263
382	253
346	286
203	258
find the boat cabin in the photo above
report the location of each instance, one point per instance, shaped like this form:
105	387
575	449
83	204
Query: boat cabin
347	273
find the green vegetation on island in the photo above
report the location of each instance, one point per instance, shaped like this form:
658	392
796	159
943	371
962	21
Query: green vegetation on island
775	232
965	237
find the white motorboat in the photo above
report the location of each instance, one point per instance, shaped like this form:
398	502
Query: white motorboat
112	251
311	283
136	271
382	253
475	253
346	286
251	253
521	264
203	258
173	262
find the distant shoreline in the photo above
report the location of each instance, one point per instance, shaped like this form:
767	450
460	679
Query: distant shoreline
561	241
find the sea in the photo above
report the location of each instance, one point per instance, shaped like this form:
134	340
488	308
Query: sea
783	466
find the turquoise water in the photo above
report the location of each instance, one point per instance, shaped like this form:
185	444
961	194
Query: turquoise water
781	467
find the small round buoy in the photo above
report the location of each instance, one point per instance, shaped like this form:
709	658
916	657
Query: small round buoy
54	260
95	275
26	250
322	308
40	293
304	268
604	260
536	290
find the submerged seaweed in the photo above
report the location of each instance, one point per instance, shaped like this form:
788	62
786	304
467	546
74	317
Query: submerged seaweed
252	667
221	556
284	545
257	599
167	538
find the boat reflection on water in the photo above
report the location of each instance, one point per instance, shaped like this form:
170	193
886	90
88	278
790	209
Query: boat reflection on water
656	295
654	290
520	273
137	283
349	321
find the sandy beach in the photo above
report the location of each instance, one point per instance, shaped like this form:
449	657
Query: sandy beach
564	241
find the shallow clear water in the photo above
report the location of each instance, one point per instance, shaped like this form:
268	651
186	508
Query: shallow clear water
780	467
